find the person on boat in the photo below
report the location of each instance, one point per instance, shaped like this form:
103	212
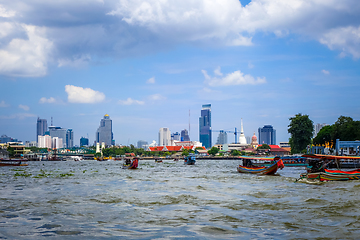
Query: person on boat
247	163
127	161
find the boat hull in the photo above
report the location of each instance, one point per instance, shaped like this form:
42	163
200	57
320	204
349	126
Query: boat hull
264	170
332	175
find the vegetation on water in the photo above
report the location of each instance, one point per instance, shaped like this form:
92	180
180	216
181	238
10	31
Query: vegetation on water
301	129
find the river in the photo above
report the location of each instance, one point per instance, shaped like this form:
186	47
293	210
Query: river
169	200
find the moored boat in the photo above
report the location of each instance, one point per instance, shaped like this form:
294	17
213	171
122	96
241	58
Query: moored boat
318	168
247	167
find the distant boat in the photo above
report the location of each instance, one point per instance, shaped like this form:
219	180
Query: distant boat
158	160
264	170
13	162
190	160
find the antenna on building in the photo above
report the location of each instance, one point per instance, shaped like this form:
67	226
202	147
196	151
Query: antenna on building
52	121
189	123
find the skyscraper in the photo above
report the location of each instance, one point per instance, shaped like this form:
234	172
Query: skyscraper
41	127
104	132
267	135
175	136
59	133
185	135
69	138
205	126
84	141
164	137
222	138
318	127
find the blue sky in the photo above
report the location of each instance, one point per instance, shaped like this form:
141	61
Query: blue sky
147	63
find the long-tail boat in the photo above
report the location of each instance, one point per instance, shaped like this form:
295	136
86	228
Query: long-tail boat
133	165
288	161
12	162
318	168
247	167
190	160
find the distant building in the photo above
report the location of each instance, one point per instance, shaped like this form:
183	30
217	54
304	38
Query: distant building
104	132
205	126
254	141
176	136
30	144
164	137
41	127
185	135
69	138
222	138
267	135
5	139
284	144
59	133
142	144
242	138
57	142
44	141
318	127
84	142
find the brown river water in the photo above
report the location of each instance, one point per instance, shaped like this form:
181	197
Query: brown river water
170	200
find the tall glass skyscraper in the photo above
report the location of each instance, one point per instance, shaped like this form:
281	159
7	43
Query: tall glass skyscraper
69	138
267	135
104	132
205	126
41	127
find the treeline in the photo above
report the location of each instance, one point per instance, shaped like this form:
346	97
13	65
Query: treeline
345	129
115	151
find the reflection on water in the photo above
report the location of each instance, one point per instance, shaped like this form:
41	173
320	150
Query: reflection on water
209	200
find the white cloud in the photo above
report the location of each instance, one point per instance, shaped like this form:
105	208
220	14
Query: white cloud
151	80
24	107
83	95
217	71
3	104
250	65
6	13
234	78
47	100
26	57
325	72
345	39
157	97
130	101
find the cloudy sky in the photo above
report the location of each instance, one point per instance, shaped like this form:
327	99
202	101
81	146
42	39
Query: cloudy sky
148	63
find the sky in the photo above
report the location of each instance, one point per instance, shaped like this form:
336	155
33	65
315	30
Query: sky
148	64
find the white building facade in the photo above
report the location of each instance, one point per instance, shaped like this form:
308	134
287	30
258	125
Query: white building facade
164	137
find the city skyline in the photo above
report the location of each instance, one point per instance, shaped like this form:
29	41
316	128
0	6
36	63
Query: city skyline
262	61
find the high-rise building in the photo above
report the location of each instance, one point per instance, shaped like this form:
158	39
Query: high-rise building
185	135
84	141
164	137
59	133
205	126
104	132
44	141
267	135
69	138
41	127
318	127
142	144
176	136
222	138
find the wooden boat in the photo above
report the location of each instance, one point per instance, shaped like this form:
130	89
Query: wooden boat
158	160
13	162
264	170
288	161
318	168
190	160
133	165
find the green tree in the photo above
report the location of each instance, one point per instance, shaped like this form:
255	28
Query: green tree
301	130
345	129
264	146
213	151
323	136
